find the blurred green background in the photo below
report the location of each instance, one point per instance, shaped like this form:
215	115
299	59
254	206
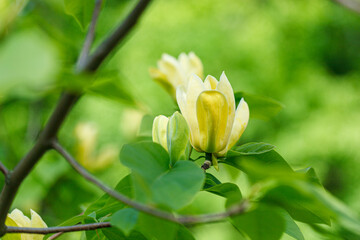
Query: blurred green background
305	54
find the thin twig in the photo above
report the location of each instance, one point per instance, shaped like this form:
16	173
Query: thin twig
350	4
3	169
75	228
90	35
182	219
56	235
115	38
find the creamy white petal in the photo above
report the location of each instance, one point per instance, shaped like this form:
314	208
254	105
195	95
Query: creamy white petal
36	222
210	82
224	86
195	87
159	130
196	65
242	115
171	68
21	220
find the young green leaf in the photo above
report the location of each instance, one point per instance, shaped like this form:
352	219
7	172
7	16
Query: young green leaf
125	219
177	187
178	135
253	148
291	228
147	159
156	228
261	223
81	10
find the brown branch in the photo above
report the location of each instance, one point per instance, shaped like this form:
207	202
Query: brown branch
75	228
350	4
90	35
115	38
181	219
3	169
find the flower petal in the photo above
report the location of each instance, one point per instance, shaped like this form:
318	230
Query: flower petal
194	88
21	220
210	83
196	65
241	120
212	115
170	67
224	86
159	130
36	222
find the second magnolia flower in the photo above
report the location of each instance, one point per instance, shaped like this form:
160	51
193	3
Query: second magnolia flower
209	109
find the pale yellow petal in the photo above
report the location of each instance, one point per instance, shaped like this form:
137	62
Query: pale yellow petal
196	64
212	115
195	87
159	130
36	222
163	80
224	87
9	222
170	67
21	220
210	83
241	120
181	100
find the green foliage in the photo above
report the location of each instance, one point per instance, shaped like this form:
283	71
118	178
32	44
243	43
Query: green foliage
125	219
261	223
156	181
112	89
178	135
81	10
260	107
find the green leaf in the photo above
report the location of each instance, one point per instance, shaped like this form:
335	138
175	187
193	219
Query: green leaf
106	205
147	159
178	135
114	233
125	219
156	228
154	180
177	187
184	234
230	191
260	107
261	223
260	166
253	148
81	10
297	199
291	228
210	181
311	175
113	90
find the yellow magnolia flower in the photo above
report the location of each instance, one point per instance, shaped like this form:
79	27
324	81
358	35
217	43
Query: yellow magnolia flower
209	109
172	73
17	219
86	135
